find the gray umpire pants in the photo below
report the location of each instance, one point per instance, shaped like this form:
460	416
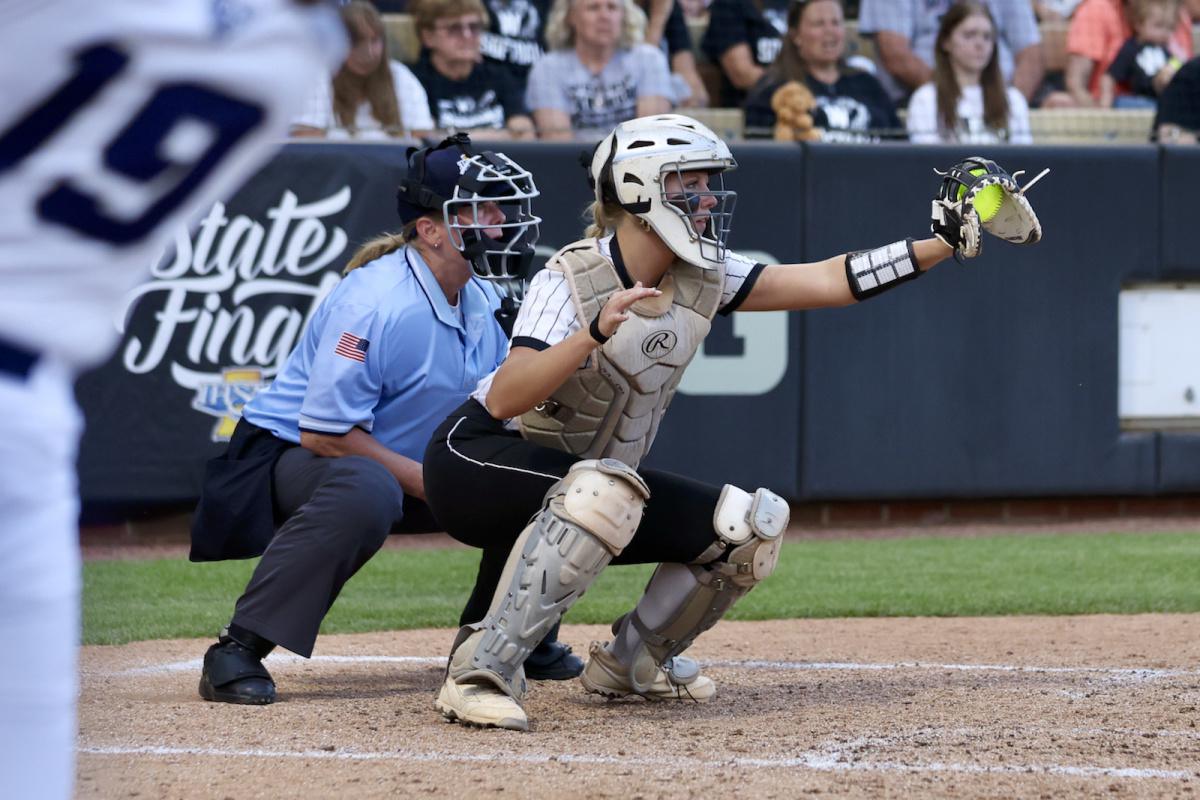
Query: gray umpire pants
338	513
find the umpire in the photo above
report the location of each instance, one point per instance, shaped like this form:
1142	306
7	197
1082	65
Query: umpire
324	463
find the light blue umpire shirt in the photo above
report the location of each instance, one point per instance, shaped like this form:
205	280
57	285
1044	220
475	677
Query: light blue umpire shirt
385	352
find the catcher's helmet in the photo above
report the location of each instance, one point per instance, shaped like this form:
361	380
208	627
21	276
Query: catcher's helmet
629	167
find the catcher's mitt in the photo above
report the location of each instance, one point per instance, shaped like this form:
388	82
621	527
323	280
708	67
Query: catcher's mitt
956	221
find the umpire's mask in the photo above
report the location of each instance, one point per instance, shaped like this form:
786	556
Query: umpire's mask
453	178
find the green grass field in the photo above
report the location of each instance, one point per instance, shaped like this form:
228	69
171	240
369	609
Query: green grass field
992	576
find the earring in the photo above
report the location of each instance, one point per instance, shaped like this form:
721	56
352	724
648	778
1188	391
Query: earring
437	245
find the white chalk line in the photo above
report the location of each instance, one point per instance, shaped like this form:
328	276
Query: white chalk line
827	760
1117	673
196	664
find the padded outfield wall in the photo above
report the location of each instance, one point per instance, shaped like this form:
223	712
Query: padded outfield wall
994	379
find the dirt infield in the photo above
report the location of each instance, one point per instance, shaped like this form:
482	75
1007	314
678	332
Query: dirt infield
1100	706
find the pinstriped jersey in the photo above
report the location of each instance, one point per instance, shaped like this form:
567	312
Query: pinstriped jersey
548	315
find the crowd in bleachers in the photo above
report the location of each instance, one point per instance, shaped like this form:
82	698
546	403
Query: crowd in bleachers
926	71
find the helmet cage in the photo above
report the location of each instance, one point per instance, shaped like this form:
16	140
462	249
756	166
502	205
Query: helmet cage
489	177
713	239
631	168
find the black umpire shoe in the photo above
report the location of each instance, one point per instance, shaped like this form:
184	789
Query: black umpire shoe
552	660
234	672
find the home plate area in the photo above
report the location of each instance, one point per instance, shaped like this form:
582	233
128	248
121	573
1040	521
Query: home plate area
1090	706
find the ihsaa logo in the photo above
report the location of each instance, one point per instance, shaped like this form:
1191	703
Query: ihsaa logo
226	399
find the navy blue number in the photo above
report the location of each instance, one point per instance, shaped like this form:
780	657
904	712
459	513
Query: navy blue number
135	152
96	66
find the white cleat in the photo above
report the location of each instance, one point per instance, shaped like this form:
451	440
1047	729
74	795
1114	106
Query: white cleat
604	675
480	704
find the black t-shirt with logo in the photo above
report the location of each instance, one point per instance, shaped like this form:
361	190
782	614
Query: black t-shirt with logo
484	99
517	35
759	24
855	108
1136	65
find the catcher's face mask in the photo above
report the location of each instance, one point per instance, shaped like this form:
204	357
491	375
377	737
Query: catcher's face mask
490	183
701	199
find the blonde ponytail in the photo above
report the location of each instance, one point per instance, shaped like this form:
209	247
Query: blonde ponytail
604	219
379	247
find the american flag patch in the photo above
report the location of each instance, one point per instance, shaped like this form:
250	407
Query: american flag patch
352	347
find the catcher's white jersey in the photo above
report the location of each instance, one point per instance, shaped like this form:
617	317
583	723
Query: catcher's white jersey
117	119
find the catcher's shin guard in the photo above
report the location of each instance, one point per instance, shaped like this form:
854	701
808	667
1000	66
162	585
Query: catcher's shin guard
682	601
588	518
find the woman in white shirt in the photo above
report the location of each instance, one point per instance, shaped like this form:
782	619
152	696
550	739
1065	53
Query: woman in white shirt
967	101
371	96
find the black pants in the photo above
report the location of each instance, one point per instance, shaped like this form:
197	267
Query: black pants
337	513
484	483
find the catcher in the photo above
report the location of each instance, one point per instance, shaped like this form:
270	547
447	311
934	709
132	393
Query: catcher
553	440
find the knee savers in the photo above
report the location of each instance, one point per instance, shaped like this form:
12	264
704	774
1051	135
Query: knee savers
587	519
604	497
751	526
749	529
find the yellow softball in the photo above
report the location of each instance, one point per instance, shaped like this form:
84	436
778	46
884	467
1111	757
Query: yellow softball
987	200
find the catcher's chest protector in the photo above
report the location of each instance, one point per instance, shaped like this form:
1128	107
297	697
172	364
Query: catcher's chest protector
612	407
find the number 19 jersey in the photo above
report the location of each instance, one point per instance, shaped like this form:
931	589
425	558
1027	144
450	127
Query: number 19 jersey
120	118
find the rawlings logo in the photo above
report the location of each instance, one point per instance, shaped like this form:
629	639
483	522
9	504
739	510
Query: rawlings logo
658	344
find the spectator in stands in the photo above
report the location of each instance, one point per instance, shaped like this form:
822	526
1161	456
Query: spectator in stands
744	37
967	102
1098	30
1143	66
598	71
516	37
1178	119
666	28
1054	10
904	33
694	9
465	92
371	96
852	105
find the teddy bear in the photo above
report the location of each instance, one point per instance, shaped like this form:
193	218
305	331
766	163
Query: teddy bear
793	103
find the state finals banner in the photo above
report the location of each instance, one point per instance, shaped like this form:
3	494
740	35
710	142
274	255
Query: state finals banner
226	304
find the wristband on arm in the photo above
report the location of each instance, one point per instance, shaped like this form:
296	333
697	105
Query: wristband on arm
870	272
594	330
